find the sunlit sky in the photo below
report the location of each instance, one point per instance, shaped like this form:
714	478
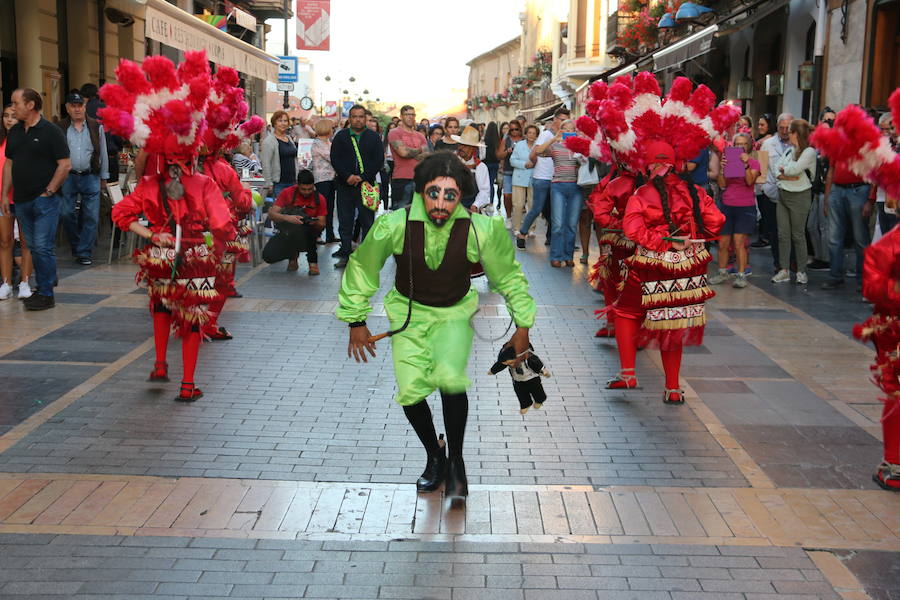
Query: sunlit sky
405	51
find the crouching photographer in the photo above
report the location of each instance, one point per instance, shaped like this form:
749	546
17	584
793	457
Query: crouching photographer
299	215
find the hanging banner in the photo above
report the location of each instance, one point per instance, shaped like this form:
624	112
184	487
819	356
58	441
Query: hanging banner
331	109
313	24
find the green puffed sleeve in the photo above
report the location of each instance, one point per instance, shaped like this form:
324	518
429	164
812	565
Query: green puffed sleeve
362	275
498	257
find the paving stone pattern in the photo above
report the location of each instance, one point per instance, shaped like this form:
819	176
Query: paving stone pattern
82	567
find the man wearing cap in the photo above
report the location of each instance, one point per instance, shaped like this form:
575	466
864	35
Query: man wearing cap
90	170
435	242
467	150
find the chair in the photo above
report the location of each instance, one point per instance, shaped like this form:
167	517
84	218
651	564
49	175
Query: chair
128	239
115	196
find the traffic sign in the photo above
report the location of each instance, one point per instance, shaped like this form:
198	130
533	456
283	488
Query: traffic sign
287	69
284	87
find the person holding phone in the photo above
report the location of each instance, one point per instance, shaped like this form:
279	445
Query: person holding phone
565	198
737	175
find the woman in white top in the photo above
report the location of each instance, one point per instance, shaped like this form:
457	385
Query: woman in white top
797	167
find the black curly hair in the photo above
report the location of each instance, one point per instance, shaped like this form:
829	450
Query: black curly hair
444	164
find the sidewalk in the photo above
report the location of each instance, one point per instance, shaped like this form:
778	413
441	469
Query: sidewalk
292	476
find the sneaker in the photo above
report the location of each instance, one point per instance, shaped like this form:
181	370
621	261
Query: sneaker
520	243
818	265
760	244
507	222
802	278
40	302
84	261
24	290
341	263
781	276
5	291
833	284
721	277
740	281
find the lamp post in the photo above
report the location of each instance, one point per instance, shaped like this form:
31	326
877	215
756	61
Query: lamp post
286	104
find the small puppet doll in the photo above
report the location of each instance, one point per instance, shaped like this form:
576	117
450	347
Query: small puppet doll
526	377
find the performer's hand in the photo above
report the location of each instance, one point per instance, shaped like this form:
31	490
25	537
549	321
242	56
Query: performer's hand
681	244
359	343
519	341
163	240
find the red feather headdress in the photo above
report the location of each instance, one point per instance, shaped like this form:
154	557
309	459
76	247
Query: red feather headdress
226	109
856	142
157	107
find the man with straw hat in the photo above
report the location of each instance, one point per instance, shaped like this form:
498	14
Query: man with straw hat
434	241
467	150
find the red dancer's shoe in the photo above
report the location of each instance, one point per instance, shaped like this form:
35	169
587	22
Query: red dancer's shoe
217	333
160	372
888	476
673	397
625	380
606	332
188	393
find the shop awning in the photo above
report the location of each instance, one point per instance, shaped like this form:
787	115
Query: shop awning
179	29
689	48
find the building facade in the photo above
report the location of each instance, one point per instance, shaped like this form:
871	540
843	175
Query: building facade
57	45
490	78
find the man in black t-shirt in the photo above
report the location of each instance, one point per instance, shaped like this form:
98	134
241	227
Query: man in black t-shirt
37	162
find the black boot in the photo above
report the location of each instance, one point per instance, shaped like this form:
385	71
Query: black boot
435	470
456	485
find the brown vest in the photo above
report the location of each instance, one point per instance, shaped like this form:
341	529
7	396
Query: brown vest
444	286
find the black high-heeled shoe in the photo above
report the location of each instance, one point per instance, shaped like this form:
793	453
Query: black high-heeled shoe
433	475
456	485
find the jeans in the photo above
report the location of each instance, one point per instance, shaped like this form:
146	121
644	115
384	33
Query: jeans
288	245
845	206
540	195
81	226
566	200
493	169
817	228
401	193
768	223
349	209
39	220
793	211
326	188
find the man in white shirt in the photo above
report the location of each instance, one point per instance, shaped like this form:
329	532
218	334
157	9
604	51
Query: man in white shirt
468	145
543	171
776	147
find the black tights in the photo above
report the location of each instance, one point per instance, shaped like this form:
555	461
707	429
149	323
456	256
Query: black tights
456	412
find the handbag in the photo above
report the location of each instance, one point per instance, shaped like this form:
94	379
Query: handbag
368	192
587	175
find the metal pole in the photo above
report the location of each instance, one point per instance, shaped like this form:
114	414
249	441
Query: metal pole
287	103
818	61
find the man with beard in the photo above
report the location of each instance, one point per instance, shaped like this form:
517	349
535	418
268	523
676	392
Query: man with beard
434	241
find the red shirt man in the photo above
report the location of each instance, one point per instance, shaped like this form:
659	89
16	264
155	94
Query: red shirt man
408	147
295	236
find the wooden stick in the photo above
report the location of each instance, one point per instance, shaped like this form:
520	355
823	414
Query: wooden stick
380	336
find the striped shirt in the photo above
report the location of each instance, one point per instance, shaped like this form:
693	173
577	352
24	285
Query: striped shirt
565	165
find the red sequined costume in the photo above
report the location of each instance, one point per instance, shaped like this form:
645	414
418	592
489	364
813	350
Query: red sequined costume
881	287
661	302
608	205
856	143
161	110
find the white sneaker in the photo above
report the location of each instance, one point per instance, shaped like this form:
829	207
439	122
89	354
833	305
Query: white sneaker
802	278
5	291
721	277
740	281
24	290
781	276
508	222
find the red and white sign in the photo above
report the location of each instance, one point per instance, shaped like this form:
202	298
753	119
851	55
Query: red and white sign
331	109
313	24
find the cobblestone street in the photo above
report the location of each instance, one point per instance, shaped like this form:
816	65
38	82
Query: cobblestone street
293	476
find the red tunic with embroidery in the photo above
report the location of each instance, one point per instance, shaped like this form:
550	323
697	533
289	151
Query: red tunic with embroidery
185	284
667	288
607	202
881	278
240	203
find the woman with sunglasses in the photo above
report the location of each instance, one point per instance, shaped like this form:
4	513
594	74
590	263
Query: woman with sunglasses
504	151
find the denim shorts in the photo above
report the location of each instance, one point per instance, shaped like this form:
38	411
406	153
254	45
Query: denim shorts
507	183
738	219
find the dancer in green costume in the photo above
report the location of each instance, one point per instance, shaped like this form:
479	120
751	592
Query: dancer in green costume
435	243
